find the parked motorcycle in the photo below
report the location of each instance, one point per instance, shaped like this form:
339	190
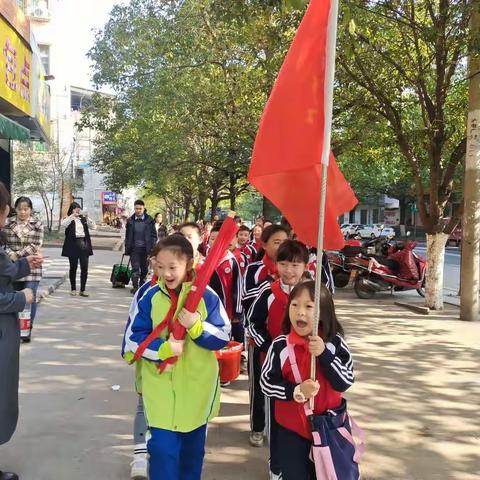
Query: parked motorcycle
340	262
372	277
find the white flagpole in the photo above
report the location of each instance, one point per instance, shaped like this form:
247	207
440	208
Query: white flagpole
328	104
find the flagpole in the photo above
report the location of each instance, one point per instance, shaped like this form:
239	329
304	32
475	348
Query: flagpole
328	108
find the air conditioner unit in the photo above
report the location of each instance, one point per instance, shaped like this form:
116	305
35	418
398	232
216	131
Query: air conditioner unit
38	11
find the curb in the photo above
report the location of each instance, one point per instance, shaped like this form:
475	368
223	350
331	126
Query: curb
414	308
95	247
51	288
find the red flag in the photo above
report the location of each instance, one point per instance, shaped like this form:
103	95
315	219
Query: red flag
286	162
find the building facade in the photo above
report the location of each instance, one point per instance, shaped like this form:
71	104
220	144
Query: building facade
86	186
24	93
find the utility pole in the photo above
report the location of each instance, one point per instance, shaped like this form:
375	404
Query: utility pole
470	271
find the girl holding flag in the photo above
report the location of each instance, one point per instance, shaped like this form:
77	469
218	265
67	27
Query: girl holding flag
181	399
286	379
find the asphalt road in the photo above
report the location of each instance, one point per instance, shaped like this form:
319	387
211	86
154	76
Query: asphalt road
451	275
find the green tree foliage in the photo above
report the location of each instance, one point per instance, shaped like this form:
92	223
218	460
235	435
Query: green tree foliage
406	61
192	79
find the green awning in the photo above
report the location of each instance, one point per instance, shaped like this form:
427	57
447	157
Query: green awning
13	130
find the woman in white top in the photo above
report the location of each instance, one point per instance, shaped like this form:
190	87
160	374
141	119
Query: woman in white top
77	246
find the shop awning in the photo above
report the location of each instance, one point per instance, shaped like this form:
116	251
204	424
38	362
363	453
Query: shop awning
13	130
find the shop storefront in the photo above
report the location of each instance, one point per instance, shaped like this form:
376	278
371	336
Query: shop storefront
23	91
109	208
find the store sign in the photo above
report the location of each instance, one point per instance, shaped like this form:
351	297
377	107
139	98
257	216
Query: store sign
15	69
109	198
40	96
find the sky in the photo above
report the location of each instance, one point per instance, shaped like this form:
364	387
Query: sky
76	21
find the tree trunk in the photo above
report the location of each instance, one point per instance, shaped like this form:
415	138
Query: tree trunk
202	207
233	192
45	205
435	263
62	194
214	200
269	210
403	210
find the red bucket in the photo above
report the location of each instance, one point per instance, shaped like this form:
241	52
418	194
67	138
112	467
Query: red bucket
229	360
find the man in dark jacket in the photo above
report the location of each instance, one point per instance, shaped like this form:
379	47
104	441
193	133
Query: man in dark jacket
140	238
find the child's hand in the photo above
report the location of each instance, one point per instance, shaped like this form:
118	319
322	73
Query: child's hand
176	345
309	388
316	345
188	319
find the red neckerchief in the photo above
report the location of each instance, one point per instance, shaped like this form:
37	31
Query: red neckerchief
167	322
303	362
271	266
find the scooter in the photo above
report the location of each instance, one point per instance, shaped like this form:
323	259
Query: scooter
340	261
372	277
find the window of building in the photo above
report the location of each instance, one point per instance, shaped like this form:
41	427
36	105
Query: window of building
351	216
45	57
375	217
363	216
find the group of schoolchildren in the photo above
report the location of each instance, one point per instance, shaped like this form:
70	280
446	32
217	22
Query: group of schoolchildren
262	286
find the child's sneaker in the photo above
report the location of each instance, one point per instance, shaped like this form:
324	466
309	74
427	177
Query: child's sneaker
139	467
256	439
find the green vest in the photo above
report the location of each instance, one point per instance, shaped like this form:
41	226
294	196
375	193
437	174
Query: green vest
187	395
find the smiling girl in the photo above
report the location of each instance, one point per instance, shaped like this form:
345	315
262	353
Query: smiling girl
180	401
334	375
265	324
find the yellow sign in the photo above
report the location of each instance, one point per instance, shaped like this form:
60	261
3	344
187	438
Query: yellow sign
15	69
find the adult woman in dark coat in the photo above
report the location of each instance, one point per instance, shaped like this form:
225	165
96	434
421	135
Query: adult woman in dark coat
77	246
11	303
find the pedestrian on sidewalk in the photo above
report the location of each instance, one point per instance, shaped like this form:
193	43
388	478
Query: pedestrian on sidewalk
24	237
140	238
161	229
265	319
178	402
256	274
11	303
286	379
77	246
139	464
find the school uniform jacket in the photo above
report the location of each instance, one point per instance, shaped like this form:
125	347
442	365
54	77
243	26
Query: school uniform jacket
249	252
266	314
226	281
242	260
334	374
255	275
187	396
327	277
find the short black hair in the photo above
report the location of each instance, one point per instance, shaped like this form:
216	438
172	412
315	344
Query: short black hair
175	243
191	225
243	228
216	227
272	230
26	200
139	202
293	251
